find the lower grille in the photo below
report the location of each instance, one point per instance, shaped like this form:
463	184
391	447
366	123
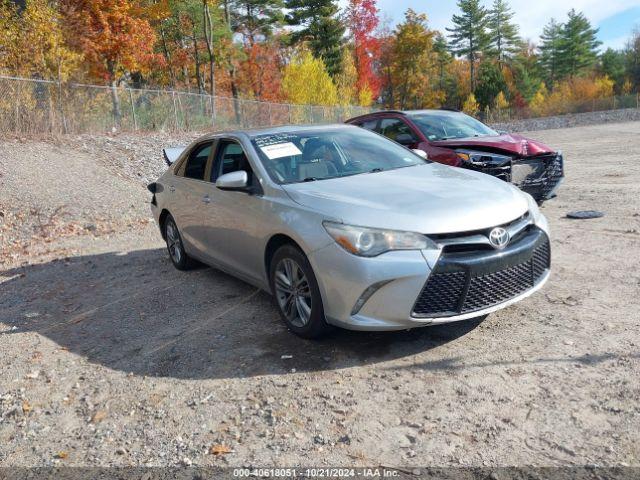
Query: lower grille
541	182
465	291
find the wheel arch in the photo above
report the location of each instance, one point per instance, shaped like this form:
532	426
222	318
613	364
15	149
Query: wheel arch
163	217
275	242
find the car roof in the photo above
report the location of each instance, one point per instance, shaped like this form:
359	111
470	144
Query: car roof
254	132
408	113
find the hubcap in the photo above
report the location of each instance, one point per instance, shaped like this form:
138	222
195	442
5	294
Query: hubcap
173	242
293	292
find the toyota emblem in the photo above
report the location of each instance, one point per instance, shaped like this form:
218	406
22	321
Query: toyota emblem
499	237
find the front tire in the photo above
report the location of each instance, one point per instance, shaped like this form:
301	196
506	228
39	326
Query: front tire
296	293
175	247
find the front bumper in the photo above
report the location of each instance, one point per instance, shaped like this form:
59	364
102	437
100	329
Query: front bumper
539	176
401	278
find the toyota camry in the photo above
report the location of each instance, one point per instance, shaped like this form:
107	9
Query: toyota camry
347	228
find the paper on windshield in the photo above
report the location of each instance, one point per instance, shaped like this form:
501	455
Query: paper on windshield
279	150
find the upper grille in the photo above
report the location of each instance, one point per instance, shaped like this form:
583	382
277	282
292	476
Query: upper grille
455	292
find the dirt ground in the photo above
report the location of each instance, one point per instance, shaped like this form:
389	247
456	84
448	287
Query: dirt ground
109	356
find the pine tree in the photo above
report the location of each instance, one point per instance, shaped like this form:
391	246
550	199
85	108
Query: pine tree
443	58
256	19
551	40
578	45
469	36
503	34
632	58
321	28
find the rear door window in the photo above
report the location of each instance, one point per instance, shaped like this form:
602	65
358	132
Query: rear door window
392	127
196	164
370	124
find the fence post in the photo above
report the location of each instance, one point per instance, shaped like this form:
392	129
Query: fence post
175	109
133	111
270	120
60	104
289	111
213	113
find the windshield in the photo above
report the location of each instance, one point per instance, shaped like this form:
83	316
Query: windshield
321	154
447	125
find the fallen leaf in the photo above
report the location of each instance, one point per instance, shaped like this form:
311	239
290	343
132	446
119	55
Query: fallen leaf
219	449
26	407
98	416
62	455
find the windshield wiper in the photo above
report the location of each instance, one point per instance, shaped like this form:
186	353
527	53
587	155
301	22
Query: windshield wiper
377	169
310	179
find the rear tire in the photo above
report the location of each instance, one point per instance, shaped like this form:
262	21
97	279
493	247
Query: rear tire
175	247
296	293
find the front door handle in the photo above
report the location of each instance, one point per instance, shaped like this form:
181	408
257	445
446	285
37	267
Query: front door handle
206	199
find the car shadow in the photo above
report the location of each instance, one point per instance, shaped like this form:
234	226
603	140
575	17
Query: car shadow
135	313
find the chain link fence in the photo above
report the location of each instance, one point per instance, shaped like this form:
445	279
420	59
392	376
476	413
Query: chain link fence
36	106
616	102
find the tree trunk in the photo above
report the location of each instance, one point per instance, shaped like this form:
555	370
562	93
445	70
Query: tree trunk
232	68
196	55
167	56
208	36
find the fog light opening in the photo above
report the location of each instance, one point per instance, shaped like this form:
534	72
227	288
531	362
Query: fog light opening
366	295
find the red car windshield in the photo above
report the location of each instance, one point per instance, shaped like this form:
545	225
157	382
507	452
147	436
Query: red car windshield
447	125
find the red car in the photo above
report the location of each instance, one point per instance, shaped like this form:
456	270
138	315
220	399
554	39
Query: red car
456	139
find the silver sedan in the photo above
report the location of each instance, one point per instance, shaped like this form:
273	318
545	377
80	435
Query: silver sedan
347	228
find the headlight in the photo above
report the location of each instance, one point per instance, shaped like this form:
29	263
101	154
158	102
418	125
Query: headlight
370	242
534	210
482	159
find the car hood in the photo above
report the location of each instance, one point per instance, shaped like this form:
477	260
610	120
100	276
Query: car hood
507	143
429	198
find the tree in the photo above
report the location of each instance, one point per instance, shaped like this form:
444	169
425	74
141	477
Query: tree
305	80
347	80
612	64
551	41
503	33
259	74
443	58
411	70
471	106
33	42
320	28
255	20
578	45
632	54
469	36
113	38
527	74
362	18
490	83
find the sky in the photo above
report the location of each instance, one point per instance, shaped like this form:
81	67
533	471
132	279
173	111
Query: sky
615	18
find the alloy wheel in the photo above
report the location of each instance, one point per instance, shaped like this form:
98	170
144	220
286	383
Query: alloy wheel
293	292
174	244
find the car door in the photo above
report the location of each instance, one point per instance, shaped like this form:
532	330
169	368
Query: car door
234	222
398	130
190	191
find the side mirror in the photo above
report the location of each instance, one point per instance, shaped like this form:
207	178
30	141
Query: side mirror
420	153
405	139
234	181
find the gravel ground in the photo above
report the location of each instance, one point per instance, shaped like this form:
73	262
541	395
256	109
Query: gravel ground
109	356
571	120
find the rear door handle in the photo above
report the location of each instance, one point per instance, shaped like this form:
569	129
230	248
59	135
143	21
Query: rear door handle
206	199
